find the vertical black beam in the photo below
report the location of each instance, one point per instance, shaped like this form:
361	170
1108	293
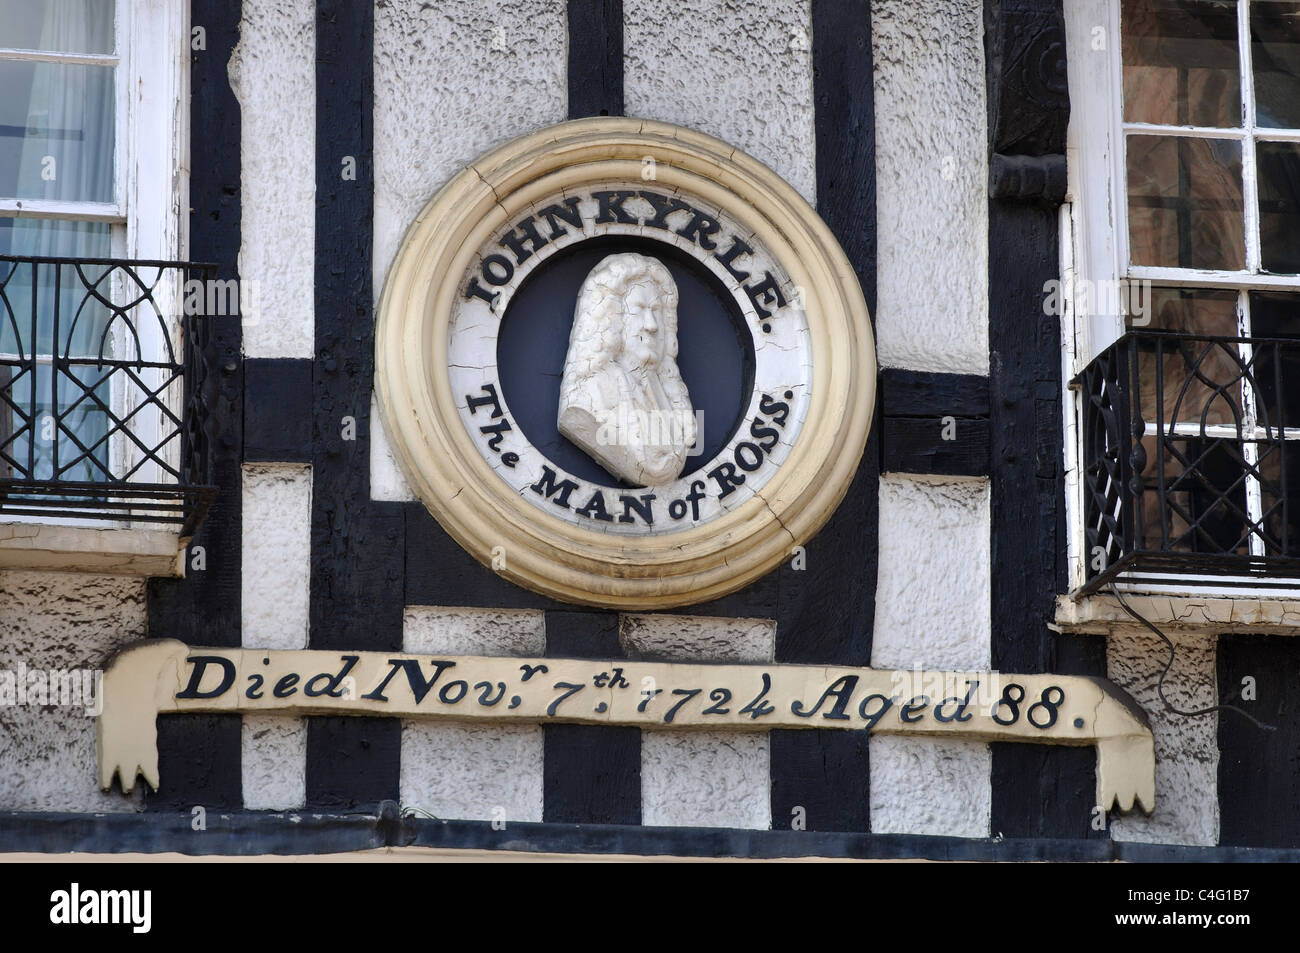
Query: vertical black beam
199	756
356	544
826	612
1038	791
595	58
591	773
1259	771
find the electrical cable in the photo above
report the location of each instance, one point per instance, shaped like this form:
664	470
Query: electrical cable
1160	683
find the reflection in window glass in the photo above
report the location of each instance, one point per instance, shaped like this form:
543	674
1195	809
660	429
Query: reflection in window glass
1279	206
1205	497
1180	62
1189	369
1275	60
1277	367
1184	200
1279	467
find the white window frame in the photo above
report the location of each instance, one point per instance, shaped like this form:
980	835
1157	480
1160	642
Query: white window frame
1094	248
149	214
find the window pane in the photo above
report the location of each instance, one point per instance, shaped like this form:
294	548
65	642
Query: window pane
1275	58
58	26
34	237
1279	206
1191	372
1180	62
1279	467
1205	496
1277	366
56	131
41	417
1199	381
1184	202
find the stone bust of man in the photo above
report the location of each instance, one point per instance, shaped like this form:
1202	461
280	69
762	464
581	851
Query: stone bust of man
622	397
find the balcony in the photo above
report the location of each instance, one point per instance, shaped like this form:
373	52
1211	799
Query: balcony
103	389
1191	461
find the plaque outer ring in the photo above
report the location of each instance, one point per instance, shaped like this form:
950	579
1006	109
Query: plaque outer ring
478	509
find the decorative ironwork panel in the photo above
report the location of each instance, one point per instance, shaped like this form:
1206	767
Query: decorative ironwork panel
1190	463
103	382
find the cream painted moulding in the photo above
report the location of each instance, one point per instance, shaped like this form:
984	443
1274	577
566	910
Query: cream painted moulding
446	468
111	551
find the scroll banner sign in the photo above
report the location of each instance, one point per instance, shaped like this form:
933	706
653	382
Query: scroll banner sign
167	676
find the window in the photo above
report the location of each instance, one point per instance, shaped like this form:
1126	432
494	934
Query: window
1185	275
92	355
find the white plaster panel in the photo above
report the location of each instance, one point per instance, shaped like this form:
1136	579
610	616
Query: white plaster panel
473	772
932	613
703	778
931	185
685	637
273	760
273	74
476	772
60	622
274	614
387	482
738	71
276	580
433	629
932	590
1187	749
452	80
920	786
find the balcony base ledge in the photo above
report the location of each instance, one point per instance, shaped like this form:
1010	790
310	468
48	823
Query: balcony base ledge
1184	614
92	549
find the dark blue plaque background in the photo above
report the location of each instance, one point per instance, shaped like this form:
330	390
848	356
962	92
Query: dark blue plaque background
715	354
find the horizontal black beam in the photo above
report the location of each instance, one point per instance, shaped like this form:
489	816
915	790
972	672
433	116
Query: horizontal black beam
922	394
277	410
934	423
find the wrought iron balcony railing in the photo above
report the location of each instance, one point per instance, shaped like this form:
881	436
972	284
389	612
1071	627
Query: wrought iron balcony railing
1191	459
103	384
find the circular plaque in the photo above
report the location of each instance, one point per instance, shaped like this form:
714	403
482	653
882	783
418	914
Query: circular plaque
624	364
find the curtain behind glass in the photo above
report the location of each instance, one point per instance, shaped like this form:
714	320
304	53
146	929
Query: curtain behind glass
66	126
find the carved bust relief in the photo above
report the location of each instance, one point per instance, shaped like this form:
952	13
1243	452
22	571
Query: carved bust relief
622	398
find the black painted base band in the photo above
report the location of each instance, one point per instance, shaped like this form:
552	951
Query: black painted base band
250	834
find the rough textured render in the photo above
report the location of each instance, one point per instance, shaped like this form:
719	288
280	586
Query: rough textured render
931	185
932	613
273	74
687	638
60	622
932	590
432	116
703	778
276	581
475	772
741	71
275	595
1187	749
432	629
273	758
